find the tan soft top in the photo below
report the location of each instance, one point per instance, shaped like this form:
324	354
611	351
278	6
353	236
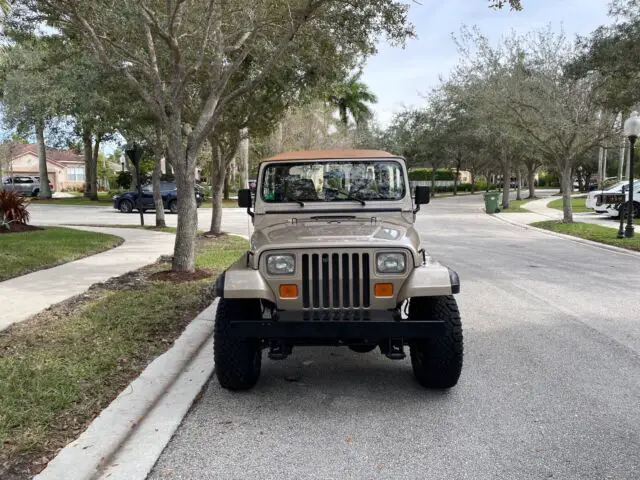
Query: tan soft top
337	153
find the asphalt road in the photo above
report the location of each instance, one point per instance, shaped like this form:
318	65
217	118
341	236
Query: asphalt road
550	386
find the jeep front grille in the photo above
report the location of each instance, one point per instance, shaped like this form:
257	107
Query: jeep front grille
336	280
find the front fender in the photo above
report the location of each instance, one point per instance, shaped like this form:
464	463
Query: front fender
430	280
240	281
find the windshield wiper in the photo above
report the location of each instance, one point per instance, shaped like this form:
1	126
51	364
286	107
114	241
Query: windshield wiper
299	202
359	200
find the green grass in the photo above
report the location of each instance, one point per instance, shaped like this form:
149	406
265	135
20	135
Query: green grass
578	205
26	252
103	199
62	367
515	206
589	231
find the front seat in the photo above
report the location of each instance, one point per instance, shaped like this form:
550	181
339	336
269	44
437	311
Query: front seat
300	189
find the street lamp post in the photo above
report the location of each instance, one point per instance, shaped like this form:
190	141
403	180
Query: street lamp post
632	131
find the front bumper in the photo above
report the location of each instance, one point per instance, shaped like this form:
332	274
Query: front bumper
373	327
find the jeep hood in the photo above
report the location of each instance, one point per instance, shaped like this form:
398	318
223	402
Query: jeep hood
335	234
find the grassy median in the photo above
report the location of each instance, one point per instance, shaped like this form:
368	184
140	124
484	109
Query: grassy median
61	368
589	231
578	205
24	252
515	206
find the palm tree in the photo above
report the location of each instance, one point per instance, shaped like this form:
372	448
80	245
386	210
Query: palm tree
353	97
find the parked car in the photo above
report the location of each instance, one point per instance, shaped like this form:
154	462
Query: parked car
28	186
620	200
127	202
595	199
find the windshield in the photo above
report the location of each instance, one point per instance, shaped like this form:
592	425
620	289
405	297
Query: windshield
333	181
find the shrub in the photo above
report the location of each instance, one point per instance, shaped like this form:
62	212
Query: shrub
167	177
13	207
464	187
423	174
481	185
123	180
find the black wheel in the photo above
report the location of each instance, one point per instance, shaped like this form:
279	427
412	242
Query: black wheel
437	361
237	361
35	192
173	206
362	348
126	206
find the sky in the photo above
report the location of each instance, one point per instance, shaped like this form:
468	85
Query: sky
402	77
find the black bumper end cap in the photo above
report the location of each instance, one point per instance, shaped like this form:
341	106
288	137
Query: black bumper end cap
455	282
219	289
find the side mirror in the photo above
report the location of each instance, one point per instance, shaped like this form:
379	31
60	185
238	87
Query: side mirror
244	198
422	195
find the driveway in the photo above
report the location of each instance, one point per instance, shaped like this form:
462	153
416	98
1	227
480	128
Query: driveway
550	386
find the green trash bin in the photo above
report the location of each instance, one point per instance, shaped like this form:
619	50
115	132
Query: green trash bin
491	202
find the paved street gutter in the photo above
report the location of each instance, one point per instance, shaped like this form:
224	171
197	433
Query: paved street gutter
61	368
589	231
25	252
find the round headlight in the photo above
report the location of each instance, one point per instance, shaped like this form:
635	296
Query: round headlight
281	264
391	262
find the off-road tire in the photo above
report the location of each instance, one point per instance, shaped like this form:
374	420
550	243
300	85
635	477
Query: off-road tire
237	361
125	206
173	206
362	348
437	361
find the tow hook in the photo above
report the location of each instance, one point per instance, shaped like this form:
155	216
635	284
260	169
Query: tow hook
278	350
395	350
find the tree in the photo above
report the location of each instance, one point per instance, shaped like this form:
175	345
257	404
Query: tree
30	96
529	92
160	48
352	97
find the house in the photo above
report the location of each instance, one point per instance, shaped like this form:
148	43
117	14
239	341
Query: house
65	168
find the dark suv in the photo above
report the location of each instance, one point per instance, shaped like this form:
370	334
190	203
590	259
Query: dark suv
127	202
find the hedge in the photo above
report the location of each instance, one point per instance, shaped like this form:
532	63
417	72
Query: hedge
422	174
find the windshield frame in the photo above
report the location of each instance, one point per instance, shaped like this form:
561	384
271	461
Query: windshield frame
399	162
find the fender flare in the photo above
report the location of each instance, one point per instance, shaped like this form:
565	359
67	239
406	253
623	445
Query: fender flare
242	282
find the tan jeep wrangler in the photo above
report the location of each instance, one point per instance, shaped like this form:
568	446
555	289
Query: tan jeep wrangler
335	260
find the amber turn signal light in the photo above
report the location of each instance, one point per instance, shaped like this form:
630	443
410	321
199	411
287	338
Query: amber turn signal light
288	291
383	289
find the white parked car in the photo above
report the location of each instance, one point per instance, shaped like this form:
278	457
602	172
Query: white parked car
614	200
595	198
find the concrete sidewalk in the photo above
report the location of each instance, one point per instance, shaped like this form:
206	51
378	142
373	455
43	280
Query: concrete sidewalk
29	294
539	212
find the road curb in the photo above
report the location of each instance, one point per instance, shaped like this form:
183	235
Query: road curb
583	241
140	407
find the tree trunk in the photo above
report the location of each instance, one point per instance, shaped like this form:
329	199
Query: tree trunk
434	168
87	142
455	180
132	171
278	138
157	194
226	185
244	158
218	177
518	184
473	182
506	183
94	167
531	181
567	186
184	165
45	191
